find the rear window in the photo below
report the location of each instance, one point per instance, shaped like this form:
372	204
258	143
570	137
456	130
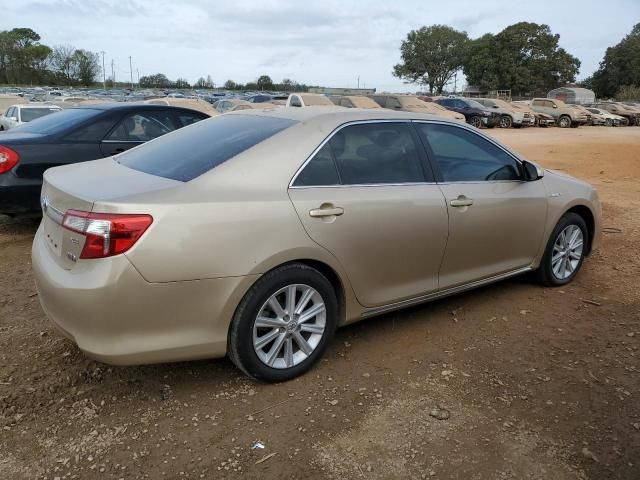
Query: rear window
189	152
59	121
28	114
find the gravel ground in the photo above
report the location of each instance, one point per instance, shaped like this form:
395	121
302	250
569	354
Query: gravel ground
511	381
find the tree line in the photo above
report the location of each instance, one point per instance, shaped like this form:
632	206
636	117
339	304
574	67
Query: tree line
525	58
263	82
24	60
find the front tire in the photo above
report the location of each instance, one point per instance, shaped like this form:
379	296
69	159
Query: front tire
506	121
476	121
564	121
283	324
565	251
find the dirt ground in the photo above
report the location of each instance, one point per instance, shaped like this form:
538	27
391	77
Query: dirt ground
512	381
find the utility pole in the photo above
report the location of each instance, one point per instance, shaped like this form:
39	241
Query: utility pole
138	72
131	72
113	74
455	83
104	72
358	81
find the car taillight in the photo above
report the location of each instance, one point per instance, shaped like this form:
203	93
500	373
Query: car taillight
106	234
8	159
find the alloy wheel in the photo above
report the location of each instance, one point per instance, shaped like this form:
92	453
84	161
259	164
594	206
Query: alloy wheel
475	121
289	326
567	252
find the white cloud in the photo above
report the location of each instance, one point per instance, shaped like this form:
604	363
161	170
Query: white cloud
329	43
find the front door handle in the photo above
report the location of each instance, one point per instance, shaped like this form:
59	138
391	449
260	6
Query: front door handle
461	201
326	210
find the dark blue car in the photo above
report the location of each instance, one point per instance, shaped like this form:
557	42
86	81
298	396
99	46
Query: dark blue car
76	135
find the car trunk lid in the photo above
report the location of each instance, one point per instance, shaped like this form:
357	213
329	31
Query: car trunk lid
79	187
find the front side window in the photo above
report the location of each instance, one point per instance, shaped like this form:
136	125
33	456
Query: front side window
142	127
463	156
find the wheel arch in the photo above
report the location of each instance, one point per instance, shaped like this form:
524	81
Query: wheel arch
589	218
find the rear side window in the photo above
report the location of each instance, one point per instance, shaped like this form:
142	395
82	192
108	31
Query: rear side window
189	152
321	170
376	153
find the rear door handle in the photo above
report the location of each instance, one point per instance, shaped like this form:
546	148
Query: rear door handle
326	211
461	201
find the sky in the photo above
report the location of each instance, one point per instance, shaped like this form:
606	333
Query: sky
329	42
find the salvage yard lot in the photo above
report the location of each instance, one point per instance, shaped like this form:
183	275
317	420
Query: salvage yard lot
537	383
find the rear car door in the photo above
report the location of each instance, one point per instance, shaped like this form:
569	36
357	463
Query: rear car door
136	128
496	218
368	197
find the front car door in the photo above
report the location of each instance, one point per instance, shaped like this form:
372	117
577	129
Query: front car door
367	196
496	218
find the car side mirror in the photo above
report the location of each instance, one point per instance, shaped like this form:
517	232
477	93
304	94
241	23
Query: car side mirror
531	171
555	106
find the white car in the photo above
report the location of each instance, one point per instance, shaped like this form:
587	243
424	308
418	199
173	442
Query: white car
610	119
19	114
309	100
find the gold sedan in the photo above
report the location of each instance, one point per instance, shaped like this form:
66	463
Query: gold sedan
257	233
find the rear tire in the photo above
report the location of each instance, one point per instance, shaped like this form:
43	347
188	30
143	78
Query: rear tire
564	121
608	122
269	338
563	256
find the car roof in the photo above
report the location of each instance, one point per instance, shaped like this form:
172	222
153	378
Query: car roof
126	106
336	116
35	105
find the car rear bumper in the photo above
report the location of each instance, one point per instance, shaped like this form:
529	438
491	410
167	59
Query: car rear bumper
19	199
115	316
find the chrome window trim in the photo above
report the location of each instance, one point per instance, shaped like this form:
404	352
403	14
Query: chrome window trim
434	121
330	136
126	141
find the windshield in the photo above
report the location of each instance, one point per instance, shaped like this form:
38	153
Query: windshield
28	114
59	122
474	104
191	151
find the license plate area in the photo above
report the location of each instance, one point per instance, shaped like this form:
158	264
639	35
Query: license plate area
52	235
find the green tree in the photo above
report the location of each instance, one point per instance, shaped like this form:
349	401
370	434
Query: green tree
22	58
620	66
628	93
264	82
182	83
200	83
524	57
86	67
230	85
158	80
431	56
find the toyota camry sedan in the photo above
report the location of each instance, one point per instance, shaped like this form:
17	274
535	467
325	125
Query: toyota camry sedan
256	234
